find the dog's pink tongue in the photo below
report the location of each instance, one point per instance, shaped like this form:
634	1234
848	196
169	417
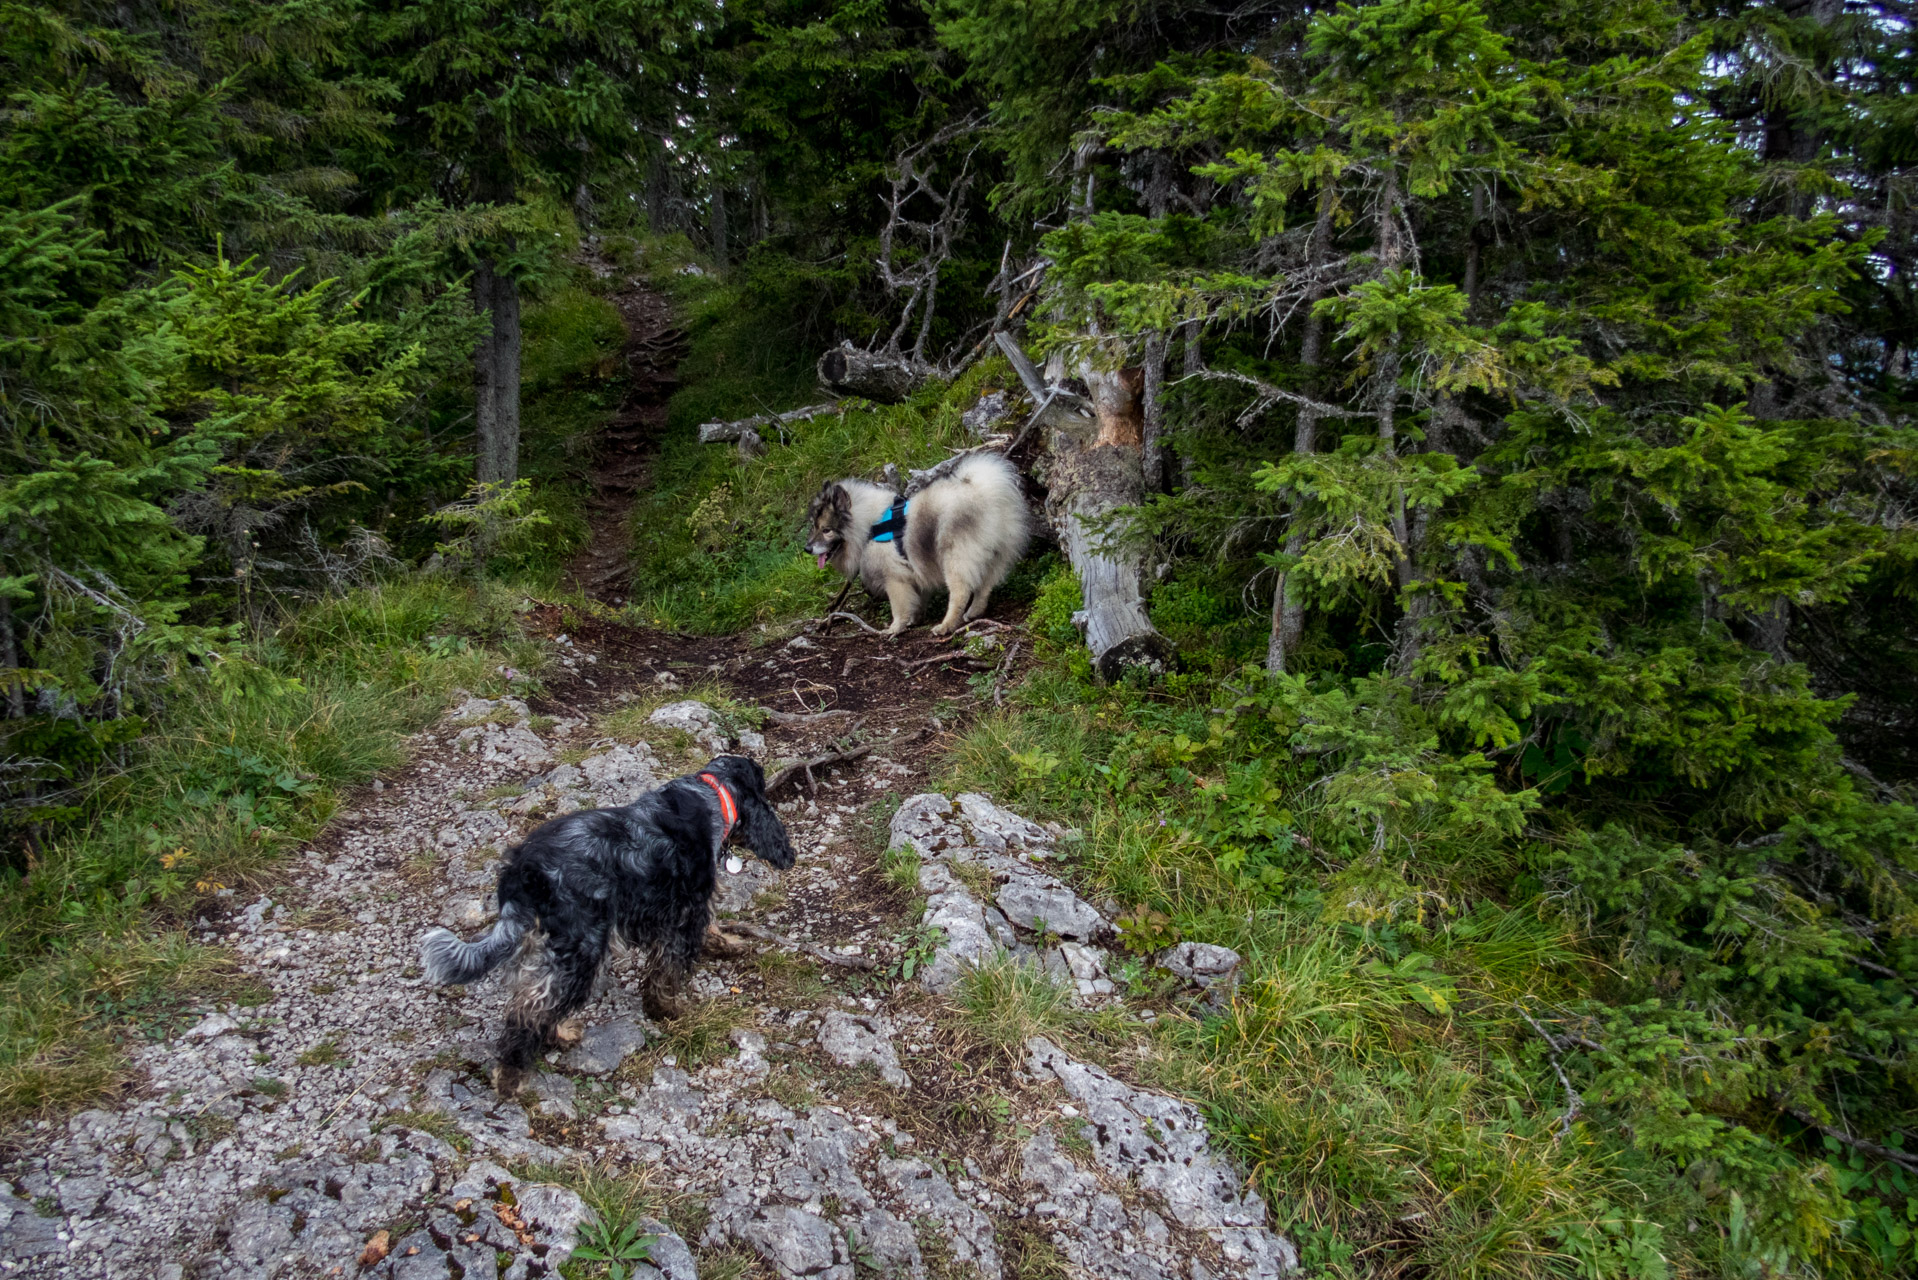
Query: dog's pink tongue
822	559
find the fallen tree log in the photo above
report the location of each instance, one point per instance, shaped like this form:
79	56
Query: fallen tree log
872	375
728	432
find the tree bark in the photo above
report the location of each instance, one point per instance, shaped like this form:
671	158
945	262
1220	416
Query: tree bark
1097	470
1475	240
10	661
1154	407
1390	362
1117	402
719	224
847	371
1288	594
496	378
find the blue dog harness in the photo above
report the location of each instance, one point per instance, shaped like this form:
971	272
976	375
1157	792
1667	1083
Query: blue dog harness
892	527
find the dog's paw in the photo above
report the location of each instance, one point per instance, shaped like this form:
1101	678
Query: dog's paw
570	1032
507	1082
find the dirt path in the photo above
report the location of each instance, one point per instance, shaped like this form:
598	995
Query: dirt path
821	1111
621	462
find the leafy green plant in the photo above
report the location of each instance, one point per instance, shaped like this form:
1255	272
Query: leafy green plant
620	1248
916	949
1146	931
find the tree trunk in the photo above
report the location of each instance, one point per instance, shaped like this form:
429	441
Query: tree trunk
1097	470
1154	406
496	378
661	190
719	224
1288	594
1390	362
847	371
1475	241
10	662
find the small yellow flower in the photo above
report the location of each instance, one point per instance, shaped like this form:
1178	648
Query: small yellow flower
174	859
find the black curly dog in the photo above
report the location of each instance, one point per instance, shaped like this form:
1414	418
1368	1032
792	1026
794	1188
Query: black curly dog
644	872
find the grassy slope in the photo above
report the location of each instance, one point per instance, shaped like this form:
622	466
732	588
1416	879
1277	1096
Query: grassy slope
93	944
1377	1080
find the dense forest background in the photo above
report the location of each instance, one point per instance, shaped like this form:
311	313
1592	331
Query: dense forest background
1526	490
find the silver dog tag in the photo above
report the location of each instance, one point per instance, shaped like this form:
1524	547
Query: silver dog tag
735	865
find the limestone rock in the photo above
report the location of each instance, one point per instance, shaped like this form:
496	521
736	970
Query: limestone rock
1211	968
1160	1145
495	745
988	416
966	940
621	775
1034	904
797	1243
857	1039
967	1230
605	1046
697	719
214	1024
556	1215
669	1254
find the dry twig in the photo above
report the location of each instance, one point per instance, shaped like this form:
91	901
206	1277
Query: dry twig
812	949
999	680
1574	1103
865	626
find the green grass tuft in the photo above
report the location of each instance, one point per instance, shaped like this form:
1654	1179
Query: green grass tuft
1006	1001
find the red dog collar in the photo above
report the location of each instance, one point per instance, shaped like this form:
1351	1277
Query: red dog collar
728	807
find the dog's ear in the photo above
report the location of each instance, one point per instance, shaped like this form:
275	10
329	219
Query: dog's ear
841	503
759	826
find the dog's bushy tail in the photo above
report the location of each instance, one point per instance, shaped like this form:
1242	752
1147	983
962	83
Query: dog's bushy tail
448	961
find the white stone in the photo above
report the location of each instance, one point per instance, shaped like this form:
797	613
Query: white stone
856	1039
211	1026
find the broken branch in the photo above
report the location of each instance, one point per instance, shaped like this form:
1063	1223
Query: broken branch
726	432
999	680
788	719
778	781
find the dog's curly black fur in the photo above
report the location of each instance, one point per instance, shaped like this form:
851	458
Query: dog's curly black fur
643	873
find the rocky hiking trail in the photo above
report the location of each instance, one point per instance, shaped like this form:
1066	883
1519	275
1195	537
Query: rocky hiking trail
818	1112
806	1119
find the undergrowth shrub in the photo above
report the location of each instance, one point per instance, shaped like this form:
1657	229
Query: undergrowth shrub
1479	1032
